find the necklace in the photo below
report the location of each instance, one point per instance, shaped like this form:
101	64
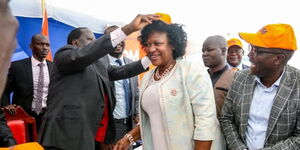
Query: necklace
166	71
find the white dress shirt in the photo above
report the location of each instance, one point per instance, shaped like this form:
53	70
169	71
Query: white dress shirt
120	108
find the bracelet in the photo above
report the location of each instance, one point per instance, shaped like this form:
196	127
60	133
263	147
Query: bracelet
130	138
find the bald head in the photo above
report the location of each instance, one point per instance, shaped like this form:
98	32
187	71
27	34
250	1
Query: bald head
37	37
40	46
214	52
217	40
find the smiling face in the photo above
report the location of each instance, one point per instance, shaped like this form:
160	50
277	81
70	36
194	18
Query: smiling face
158	49
234	55
263	62
119	49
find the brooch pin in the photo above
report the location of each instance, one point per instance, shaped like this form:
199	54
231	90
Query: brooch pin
173	92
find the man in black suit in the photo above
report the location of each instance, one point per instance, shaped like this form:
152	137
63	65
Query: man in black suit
8	30
80	91
28	80
125	92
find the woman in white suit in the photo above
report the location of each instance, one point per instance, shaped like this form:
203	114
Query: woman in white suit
177	106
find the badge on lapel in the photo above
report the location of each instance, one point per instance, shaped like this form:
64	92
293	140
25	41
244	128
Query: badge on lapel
173	92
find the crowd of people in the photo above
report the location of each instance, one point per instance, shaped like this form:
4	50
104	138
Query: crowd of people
88	98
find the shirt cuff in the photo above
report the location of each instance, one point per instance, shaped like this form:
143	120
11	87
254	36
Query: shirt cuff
145	62
117	37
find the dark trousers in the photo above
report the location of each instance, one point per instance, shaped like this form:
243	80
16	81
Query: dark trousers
38	118
122	127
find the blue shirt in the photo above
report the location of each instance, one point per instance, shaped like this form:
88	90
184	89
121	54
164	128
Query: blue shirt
120	108
260	109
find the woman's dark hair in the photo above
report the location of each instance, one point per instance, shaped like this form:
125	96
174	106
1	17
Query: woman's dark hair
176	35
75	34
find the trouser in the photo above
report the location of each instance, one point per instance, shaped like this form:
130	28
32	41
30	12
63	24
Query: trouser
122	127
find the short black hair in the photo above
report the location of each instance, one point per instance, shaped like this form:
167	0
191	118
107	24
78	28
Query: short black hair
110	27
176	35
75	34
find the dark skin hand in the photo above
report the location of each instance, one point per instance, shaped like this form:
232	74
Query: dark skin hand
139	22
124	143
106	146
202	145
11	109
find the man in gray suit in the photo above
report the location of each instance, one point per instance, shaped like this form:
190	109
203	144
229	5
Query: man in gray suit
125	91
262	108
80	92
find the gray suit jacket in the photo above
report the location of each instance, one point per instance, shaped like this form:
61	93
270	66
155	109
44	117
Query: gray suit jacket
79	83
284	122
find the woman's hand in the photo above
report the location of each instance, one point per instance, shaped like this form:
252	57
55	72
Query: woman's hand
202	145
122	144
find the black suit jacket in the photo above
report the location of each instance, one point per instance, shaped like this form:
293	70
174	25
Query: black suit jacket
133	81
20	82
75	103
6	137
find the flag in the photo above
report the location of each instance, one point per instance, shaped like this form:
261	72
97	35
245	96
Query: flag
45	30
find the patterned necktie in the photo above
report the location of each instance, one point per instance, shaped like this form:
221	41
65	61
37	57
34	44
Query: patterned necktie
39	93
127	91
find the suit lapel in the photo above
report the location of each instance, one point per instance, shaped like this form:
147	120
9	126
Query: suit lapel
105	61
246	103
101	71
49	65
286	84
28	70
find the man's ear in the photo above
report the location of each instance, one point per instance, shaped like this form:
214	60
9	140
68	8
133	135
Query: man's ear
75	43
224	51
30	45
280	59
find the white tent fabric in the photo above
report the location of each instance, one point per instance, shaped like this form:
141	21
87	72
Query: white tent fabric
33	8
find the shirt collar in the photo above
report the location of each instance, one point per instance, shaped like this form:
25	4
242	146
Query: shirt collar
219	71
36	62
240	66
111	58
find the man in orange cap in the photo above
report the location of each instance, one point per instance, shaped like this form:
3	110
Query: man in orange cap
262	107
235	54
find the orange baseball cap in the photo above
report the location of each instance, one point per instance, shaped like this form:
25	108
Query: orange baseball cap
272	36
233	42
165	17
